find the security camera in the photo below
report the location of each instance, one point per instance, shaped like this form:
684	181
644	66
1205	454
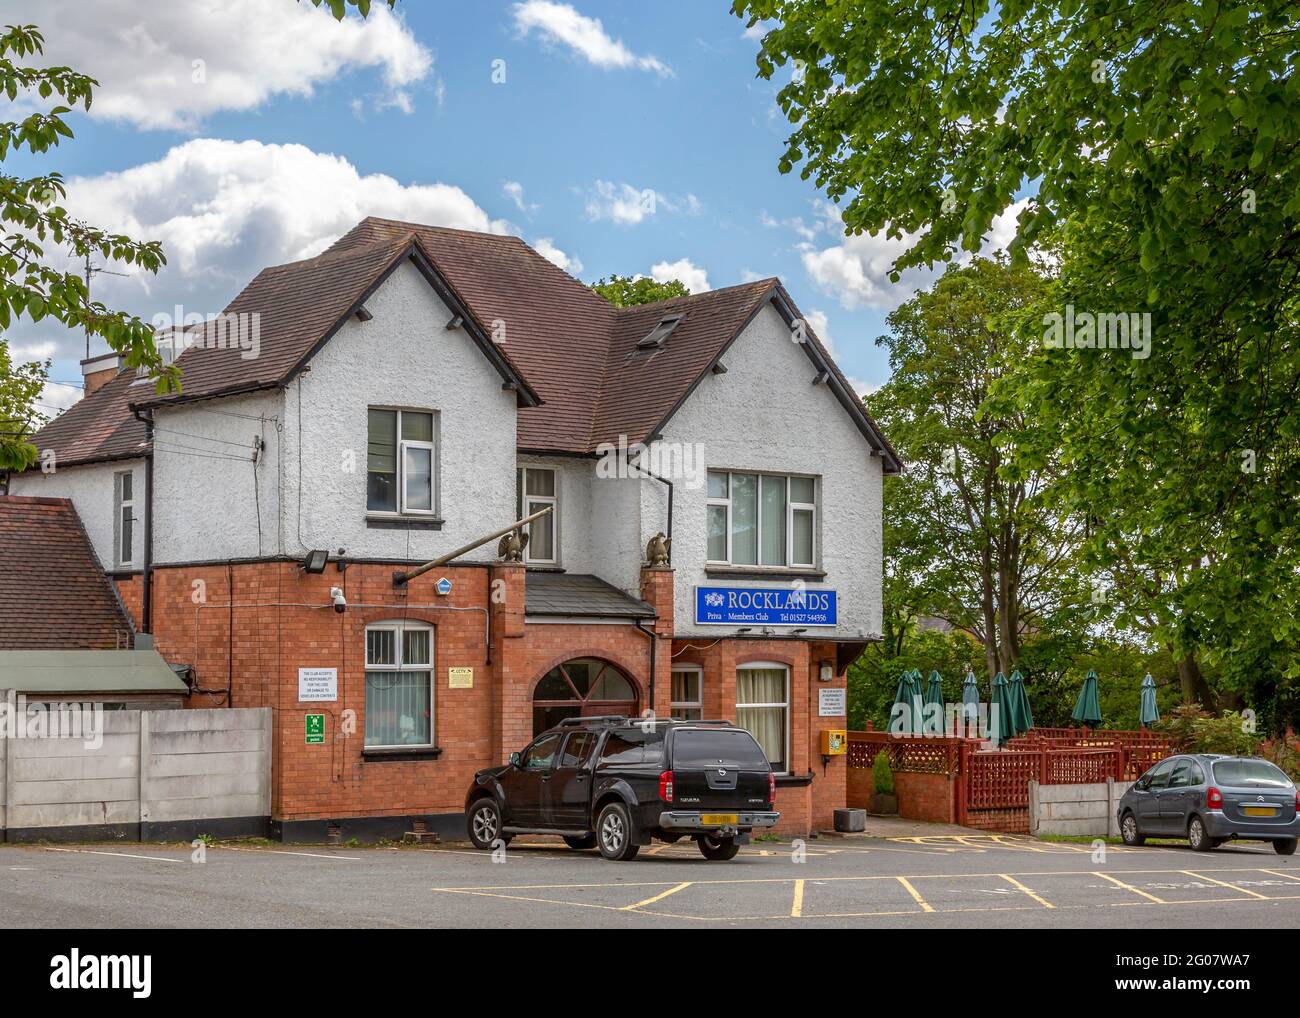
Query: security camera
340	602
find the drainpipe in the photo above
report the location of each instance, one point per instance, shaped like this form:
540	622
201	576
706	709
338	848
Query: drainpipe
146	586
663	480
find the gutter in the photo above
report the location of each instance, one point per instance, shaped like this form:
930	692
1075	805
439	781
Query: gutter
663	480
146	568
654	647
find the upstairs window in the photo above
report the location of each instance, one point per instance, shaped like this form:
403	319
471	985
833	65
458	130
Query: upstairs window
124	519
401	462
762	519
535	490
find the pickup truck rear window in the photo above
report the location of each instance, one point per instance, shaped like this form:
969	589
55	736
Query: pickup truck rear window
724	746
1249	772
633	746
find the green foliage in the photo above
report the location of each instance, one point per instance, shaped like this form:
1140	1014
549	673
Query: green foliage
1197	731
882	775
1284	751
32	283
627	291
339	8
19	418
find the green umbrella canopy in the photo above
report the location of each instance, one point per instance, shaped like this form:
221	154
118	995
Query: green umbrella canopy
908	694
1087	709
1022	715
935	722
970	690
934	689
970	705
1150	712
1000	711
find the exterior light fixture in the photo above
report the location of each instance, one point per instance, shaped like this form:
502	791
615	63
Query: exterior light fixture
826	672
315	561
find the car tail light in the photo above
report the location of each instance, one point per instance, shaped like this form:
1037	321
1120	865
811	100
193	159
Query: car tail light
1213	798
1297	802
666	786
771	789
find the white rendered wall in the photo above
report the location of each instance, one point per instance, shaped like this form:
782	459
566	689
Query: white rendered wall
91	489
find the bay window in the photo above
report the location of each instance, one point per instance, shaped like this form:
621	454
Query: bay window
401	462
399	685
762	519
763	709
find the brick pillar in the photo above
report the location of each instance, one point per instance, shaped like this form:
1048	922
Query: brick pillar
657	591
511	703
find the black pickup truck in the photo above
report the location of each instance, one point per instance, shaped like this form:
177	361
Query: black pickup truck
617	783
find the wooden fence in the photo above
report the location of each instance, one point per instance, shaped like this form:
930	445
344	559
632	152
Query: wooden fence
990	788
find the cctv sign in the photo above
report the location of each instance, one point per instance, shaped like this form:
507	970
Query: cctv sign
318	685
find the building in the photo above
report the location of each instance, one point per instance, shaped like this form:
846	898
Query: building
414	389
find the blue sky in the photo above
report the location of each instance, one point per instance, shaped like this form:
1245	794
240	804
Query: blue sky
601	102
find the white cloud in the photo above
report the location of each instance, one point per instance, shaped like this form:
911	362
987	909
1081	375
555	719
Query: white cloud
561	23
224	210
694	277
515	192
185	60
547	249
856	270
627	204
821	325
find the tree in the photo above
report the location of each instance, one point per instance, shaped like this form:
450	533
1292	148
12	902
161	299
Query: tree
19	418
1160	146
627	291
988	554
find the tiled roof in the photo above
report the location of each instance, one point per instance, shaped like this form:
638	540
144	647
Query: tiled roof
99	426
579	594
572	357
53	593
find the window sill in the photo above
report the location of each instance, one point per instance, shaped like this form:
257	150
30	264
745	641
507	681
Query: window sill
764	572
396	522
402	753
794	780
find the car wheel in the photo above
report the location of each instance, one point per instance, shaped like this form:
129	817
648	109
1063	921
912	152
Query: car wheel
718	849
614	833
1128	829
484	823
1285	847
582	843
1196	836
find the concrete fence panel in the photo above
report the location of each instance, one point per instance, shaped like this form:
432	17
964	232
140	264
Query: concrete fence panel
1086	810
155	775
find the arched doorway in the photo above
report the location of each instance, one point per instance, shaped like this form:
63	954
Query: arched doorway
581	687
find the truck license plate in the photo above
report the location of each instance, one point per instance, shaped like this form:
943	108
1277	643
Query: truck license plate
719	819
1259	811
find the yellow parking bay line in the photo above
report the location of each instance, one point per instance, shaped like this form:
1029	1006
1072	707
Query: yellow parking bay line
1278	873
1019	886
658	897
925	905
1224	883
796	909
1130	887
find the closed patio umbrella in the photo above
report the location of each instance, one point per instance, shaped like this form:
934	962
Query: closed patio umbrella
934	695
1087	709
909	696
1022	717
970	702
1150	712
1000	711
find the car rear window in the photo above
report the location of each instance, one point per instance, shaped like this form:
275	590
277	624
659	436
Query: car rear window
1249	772
633	746
700	748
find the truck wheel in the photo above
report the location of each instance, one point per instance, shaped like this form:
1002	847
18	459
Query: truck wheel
484	824
718	849
1285	847
1128	829
614	833
1196	836
580	844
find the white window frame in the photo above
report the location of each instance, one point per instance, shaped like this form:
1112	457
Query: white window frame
435	486
397	628
790	507
124	519
674	705
553	501
789	748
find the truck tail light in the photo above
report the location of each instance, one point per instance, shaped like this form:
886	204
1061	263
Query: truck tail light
771	789
1297	802
666	786
1213	798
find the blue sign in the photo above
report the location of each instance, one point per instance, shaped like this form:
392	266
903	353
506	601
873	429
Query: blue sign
765	606
443	586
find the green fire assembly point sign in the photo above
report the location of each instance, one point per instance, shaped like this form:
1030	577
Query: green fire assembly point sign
315	729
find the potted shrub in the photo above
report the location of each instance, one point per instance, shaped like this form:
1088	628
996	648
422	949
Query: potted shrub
883	799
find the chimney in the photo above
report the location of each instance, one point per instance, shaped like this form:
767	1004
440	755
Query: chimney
99	371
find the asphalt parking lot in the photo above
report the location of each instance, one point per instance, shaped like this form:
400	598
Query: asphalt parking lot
964	881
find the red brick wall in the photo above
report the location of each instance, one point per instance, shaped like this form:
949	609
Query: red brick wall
925	796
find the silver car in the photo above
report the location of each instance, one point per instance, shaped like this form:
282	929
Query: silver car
1208	799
